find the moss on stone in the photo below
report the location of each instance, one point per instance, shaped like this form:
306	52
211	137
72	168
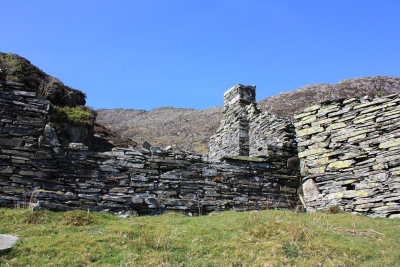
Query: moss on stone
394	142
311	130
341	164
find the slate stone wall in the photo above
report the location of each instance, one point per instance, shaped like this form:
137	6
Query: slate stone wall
348	150
350	155
248	131
233	135
36	168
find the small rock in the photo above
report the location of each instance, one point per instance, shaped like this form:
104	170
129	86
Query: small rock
77	146
146	145
155	149
123	217
7	242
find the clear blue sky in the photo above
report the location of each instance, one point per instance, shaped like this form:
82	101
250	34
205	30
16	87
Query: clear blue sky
187	53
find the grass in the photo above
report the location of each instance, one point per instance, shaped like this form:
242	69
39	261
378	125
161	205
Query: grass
265	238
81	115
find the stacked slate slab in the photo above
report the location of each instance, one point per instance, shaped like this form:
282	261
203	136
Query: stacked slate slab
349	153
250	132
233	135
37	170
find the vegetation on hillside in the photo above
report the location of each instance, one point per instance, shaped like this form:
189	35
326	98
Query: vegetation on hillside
68	104
265	238
79	115
18	69
9	67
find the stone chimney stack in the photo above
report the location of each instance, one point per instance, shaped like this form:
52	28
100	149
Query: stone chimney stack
232	137
240	94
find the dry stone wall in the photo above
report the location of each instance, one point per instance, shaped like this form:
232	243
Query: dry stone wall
348	150
232	137
350	155
250	132
36	168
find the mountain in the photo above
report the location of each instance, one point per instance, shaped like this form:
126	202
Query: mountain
190	129
289	103
183	129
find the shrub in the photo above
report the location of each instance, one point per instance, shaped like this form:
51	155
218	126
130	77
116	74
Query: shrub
291	250
80	115
9	65
48	85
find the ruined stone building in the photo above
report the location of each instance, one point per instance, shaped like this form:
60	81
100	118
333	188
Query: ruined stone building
341	153
247	131
348	148
36	169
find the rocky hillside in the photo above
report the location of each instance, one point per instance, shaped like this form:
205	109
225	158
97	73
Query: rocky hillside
183	129
289	103
190	129
15	68
73	121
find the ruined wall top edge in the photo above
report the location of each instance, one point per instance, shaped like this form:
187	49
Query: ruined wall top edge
240	92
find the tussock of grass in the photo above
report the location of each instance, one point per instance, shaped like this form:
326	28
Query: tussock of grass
81	115
266	238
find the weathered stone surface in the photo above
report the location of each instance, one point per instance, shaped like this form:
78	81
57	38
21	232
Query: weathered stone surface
359	169
49	138
58	176
311	130
7	242
340	164
77	146
250	132
349	151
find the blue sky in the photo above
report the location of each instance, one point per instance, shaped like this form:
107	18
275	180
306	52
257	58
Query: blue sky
186	53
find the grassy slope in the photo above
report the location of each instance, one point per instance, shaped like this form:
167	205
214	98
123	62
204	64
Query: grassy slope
267	238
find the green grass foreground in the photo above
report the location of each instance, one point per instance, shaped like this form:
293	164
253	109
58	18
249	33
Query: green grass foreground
265	238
